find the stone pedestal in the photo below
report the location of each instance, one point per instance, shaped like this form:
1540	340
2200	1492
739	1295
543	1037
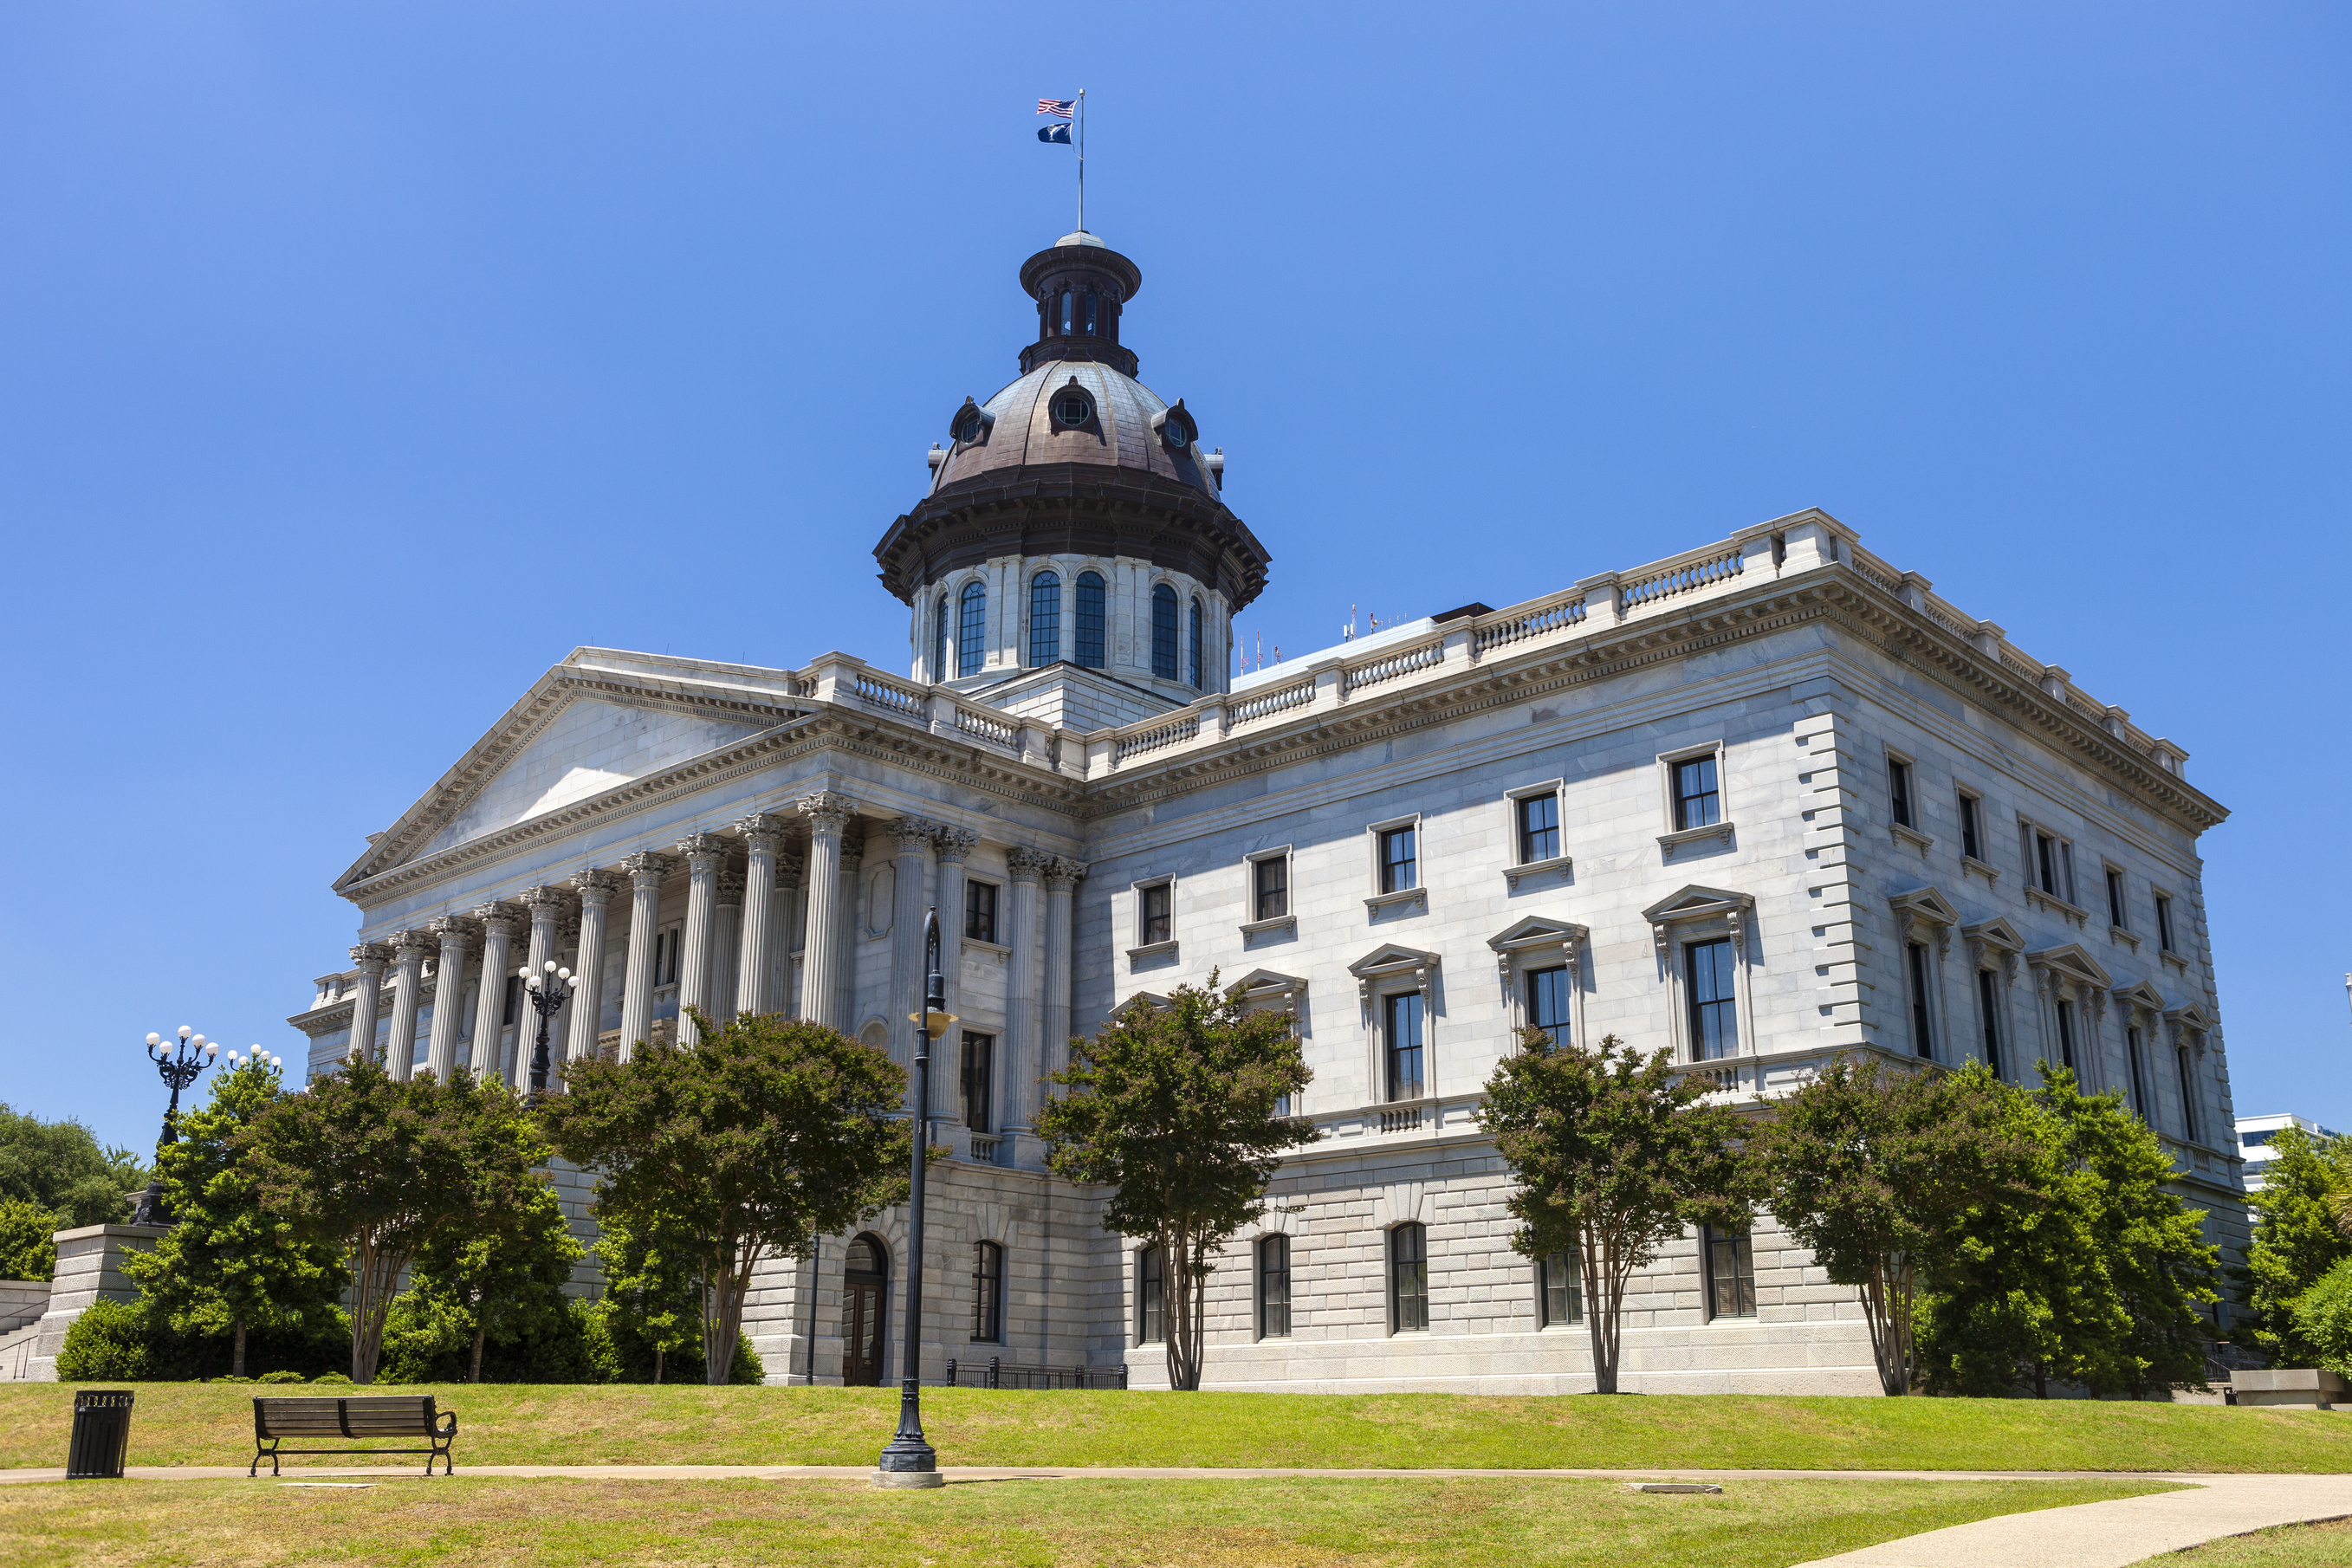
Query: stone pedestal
89	1269
2309	1387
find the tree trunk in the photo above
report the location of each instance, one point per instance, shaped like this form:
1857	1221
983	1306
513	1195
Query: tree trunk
373	1275
723	1317
236	1351
481	1327
1886	1307
1604	1306
1180	1315
658	1359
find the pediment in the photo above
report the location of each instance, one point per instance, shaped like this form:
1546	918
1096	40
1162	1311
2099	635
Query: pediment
2071	959
1996	933
1537	930
1389	956
1928	903
1695	902
1267	982
2140	993
2192	1016
1154	1000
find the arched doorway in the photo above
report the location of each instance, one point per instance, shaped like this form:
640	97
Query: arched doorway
864	1276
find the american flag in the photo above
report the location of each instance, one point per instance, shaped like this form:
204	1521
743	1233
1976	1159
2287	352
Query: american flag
1065	107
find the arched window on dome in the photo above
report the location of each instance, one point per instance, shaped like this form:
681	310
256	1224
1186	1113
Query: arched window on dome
1195	669
939	639
1044	619
1087	314
1069	309
1163	632
971	629
1090	620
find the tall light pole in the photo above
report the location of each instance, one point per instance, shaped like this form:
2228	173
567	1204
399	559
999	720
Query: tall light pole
548	992
179	1067
908	1460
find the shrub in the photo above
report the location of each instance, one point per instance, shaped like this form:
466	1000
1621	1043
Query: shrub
341	1379
108	1343
27	1249
281	1377
2323	1316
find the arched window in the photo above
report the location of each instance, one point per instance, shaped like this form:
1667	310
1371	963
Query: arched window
987	1293
940	640
1069	302
1151	1295
1408	1278
1195	669
1163	632
971	629
1087	314
1090	620
1044	619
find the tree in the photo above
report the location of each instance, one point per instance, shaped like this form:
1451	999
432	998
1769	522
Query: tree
380	1169
766	1135
653	1295
59	1166
1174	1108
2296	1238
229	1264
1614	1155
27	1247
1875	1167
507	1275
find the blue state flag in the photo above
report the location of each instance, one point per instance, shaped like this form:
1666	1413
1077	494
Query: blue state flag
1060	133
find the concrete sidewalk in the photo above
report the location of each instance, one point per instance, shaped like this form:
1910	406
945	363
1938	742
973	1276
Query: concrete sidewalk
959	1473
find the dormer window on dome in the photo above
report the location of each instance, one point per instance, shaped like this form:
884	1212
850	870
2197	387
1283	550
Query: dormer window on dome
1176	427
970	423
1073	408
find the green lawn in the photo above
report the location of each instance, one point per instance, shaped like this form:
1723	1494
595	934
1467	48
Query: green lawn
1014	1524
2326	1545
200	1423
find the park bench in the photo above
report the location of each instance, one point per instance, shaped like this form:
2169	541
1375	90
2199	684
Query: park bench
374	1415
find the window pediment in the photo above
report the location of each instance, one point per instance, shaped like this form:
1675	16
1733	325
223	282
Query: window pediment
2072	961
1697	903
1537	933
2140	993
1151	999
1265	986
2192	1016
1391	959
1927	904
1996	933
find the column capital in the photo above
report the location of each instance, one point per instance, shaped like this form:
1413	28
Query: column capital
376	953
913	833
497	918
595	887
1026	865
826	809
762	831
646	863
852	850
702	850
791	864
1063	874
730	886
452	928
543	901
956	843
419	943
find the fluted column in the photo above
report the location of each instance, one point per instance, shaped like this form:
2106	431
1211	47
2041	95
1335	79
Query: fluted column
371	958
706	854
754	963
546	907
594	890
911	837
647	872
726	943
820	964
785	925
1061	878
499	923
457	935
409	950
1024	1054
953	845
853	862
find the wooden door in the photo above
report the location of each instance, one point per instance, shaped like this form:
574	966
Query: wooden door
862	1284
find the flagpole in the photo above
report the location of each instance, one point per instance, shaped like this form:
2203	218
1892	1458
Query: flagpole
1082	160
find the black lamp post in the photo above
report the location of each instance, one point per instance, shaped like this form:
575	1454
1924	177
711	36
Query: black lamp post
179	1067
548	992
909	1461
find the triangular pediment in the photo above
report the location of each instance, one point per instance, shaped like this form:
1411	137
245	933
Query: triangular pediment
1392	956
2071	959
1927	903
2140	993
1694	902
2192	1016
1154	1000
1996	933
1267	982
1536	931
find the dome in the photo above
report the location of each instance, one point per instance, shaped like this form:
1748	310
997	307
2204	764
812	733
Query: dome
1122	425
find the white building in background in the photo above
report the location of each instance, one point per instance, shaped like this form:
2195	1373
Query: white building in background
2254	1135
1762	803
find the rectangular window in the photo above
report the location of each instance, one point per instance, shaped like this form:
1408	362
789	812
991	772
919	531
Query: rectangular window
1989	1017
1539	829
1400	862
1564	1293
1045	620
1697	803
987	1293
1151	1289
2164	924
1402	1016
1274	1287
979	1077
1547	1001
2066	872
2066	1034
1153	906
2140	1080
1270	887
980	911
1898	791
1714	1008
1971	832
512	1009
2046	852
2187	1095
1923	1039
1730	1274
2115	896
669	942
1408	1280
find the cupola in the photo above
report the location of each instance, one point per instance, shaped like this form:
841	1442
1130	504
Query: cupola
1079	284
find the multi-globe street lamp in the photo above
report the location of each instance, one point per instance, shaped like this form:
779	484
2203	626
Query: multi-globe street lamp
548	991
908	1460
179	1066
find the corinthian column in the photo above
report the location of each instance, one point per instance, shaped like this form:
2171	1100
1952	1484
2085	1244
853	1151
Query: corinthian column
912	837
784	925
371	957
762	835
726	943
409	950
954	845
647	872
820	964
595	891
448	993
1060	878
546	907
497	922
1024	1054
853	860
705	854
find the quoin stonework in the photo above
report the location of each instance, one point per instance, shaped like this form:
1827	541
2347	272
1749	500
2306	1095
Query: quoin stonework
1763	803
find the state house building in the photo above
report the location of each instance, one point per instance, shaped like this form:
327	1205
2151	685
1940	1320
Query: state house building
1760	802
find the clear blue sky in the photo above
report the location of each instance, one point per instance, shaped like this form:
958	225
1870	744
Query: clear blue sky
362	360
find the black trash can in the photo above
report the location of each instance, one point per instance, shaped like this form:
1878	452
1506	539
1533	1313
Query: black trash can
101	1434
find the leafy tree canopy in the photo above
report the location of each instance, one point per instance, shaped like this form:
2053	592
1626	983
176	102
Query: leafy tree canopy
2298	1237
27	1250
60	1167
